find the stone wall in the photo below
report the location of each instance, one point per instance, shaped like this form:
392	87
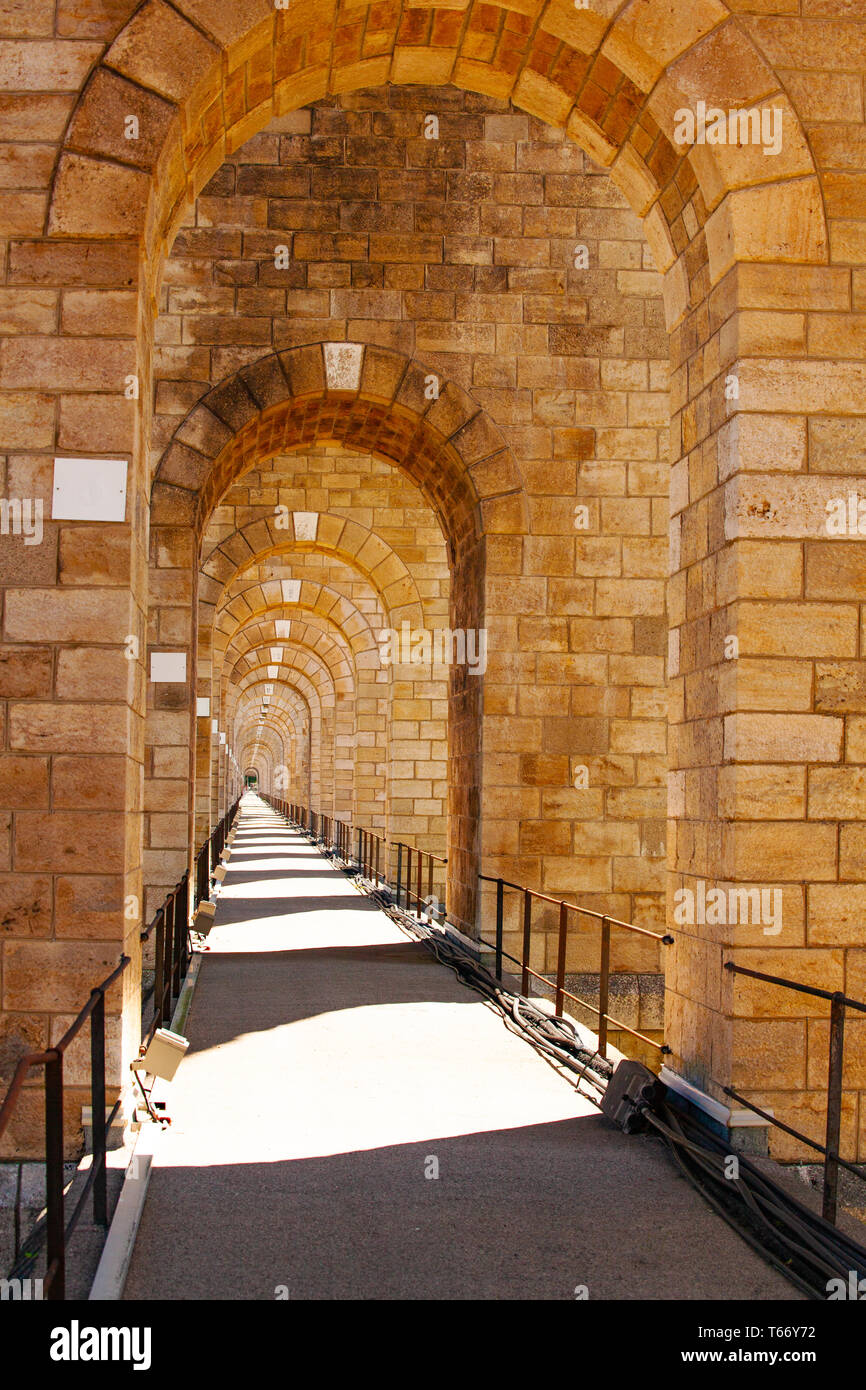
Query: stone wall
762	261
504	260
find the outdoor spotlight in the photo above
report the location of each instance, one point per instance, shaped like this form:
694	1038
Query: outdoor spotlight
161	1058
163	1055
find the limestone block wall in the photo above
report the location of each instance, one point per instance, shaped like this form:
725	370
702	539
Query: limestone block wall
762	261
376	542
500	255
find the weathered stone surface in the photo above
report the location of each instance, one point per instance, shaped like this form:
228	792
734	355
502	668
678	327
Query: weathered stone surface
448	277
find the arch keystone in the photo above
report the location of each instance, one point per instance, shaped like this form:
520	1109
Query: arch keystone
582	28
343	363
423	66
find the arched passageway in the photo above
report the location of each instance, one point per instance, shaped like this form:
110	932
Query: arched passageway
544	458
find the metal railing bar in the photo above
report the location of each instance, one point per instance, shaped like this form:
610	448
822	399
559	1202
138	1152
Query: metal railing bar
573	907
796	985
795	1133
171	964
96	993
584	1003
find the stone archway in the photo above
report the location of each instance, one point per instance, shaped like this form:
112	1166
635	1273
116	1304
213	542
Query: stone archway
377	401
614	84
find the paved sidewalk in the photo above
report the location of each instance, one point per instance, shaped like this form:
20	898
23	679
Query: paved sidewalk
334	1068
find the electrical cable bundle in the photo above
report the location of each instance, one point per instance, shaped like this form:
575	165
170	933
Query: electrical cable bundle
801	1245
798	1242
556	1038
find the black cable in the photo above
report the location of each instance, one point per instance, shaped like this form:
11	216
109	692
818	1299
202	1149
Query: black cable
795	1241
555	1038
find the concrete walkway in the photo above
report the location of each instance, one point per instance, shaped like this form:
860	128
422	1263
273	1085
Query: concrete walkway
334	1069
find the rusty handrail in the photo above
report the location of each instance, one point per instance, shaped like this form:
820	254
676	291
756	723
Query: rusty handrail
58	1230
560	992
839	1002
172	959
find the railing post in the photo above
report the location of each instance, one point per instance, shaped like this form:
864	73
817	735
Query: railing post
55	1223
527	935
399	868
560	959
184	955
429	886
168	956
603	987
97	1110
500	890
418	898
834	1107
159	968
181	923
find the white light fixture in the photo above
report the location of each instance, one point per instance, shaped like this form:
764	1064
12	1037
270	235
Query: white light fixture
163	1055
202	707
89	490
276	653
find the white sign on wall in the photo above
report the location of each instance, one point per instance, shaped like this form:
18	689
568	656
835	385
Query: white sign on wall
168	667
89	490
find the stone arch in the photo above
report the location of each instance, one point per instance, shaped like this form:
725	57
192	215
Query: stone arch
311	680
290	773
256	664
377	401
294	720
369	398
353	667
263	753
330	713
343	537
204	79
232	566
328	605
216	91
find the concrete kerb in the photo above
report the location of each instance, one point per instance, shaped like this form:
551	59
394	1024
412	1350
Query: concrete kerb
110	1278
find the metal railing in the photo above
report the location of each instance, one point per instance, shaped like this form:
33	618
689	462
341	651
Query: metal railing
372	853
420	866
57	1229
560	992
423	905
171	926
341	835
830	1148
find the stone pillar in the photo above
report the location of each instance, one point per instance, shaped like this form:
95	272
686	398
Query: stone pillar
71	666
